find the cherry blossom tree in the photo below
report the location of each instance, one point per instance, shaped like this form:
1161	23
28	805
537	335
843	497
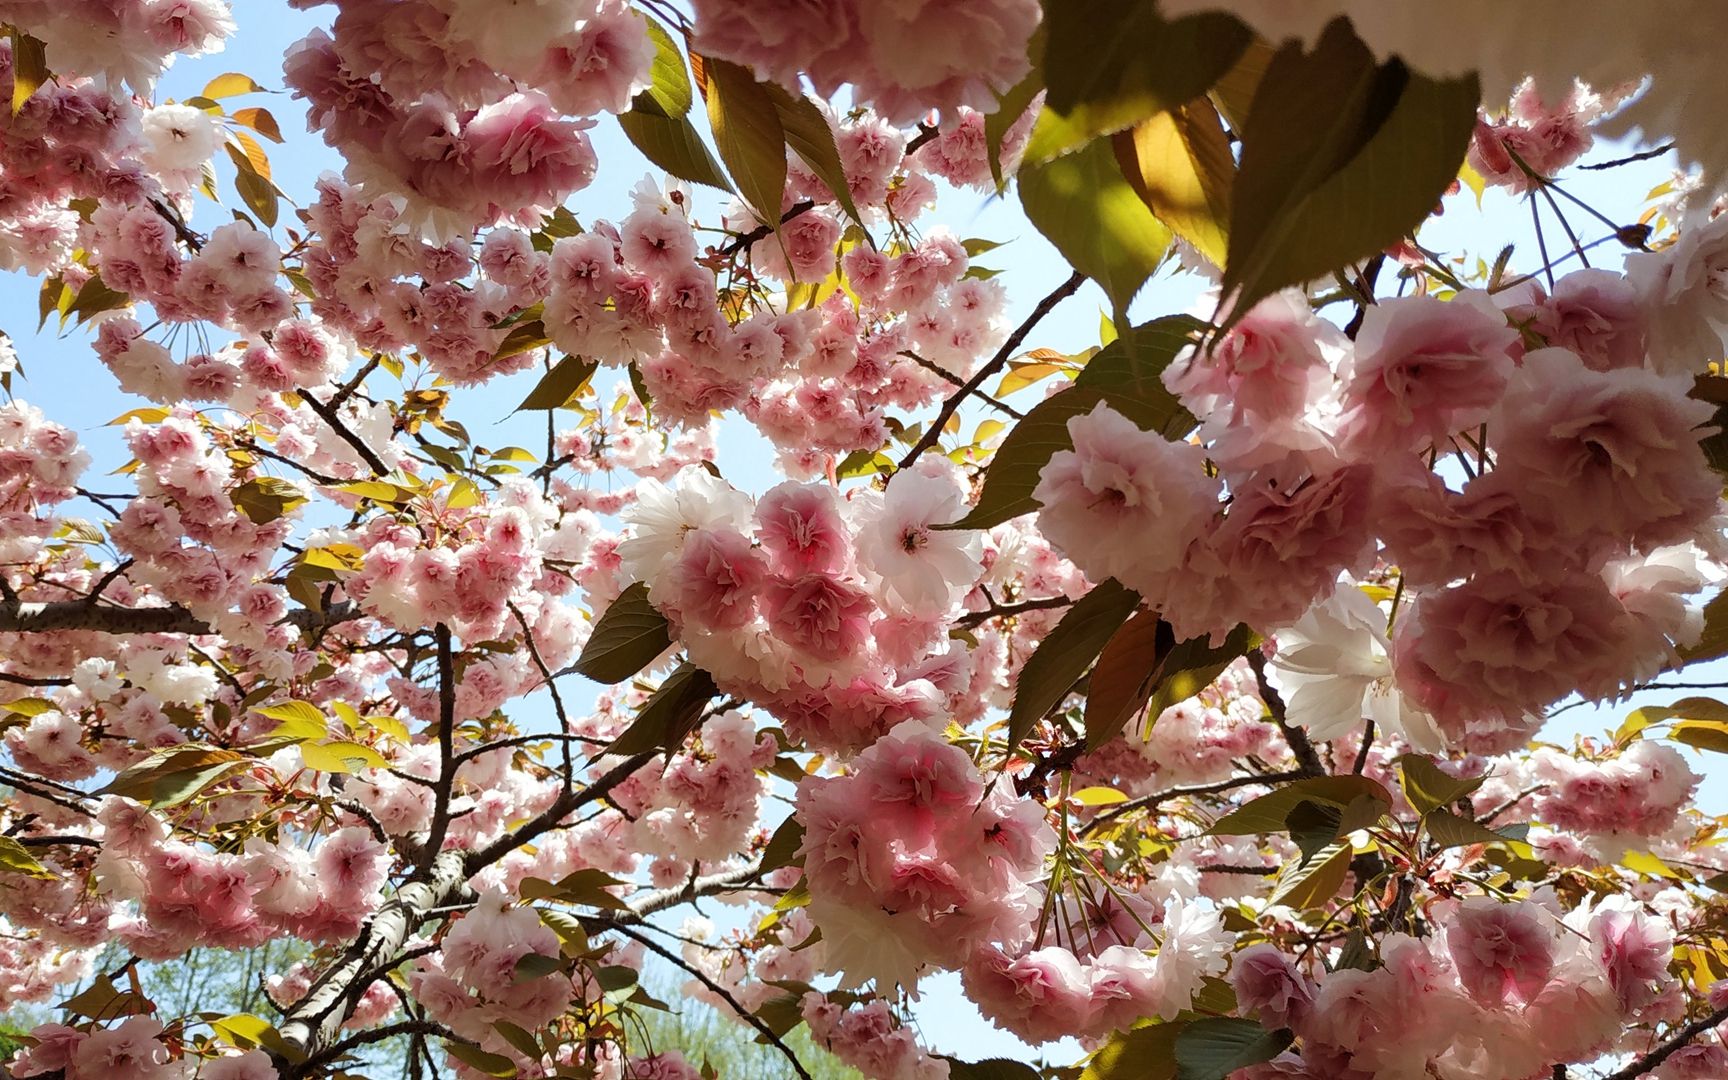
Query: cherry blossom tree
1192	707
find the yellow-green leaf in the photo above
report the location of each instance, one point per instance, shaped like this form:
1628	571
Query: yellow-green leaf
340	756
1179	162
29	68
1087	209
231	84
558	386
15	858
749	135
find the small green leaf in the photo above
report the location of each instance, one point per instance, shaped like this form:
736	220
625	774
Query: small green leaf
489	1063
670	714
1428	787
559	385
266	498
783	846
1449	830
1085	207
1215	1047
536	966
1063	656
1268	813
628	637
15	858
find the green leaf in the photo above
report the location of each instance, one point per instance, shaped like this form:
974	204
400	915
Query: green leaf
628	637
1126	672
1126	374
15	858
749	135
1147	1052
101	1000
668	92
258	194
1268	813
587	887
525	336
1086	208
1449	830
169	779
489	1063
520	1039
1063	656
1111	63
29	68
670	714
990	1069
810	137
1313	826
783	846
266	498
1702	734
1195	664
1340	159
673	143
1427	787
1215	1047
1179	163
555	388
536	966
1234	91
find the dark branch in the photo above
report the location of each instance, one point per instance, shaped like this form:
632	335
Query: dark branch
997	363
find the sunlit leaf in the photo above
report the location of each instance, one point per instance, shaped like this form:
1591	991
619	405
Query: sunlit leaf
749	136
628	637
1087	209
1063	656
1341	158
1179	163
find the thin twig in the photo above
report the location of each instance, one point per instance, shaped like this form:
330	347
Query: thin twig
722	993
446	747
997	611
1644	155
1000	360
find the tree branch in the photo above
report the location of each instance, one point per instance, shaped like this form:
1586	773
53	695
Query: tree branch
722	993
1653	1060
997	363
1300	745
330	416
441	793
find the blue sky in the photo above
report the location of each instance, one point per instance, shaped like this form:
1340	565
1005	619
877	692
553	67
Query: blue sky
64	378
